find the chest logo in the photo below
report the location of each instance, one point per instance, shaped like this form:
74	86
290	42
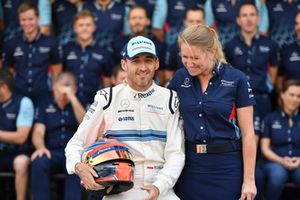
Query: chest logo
264	49
72	56
294	57
179	6
50	109
11	116
44	49
221	8
278	8
226	83
18	51
276	125
124	103
115	16
186	83
238	51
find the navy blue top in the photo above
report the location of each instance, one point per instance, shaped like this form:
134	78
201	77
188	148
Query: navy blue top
11	19
290	61
62	15
282	20
109	23
9	114
31	60
253	60
60	124
87	65
285	140
211	114
172	59
175	16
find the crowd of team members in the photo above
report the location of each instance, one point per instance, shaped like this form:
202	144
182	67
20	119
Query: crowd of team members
73	48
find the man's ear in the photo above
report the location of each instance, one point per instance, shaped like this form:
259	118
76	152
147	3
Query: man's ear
124	65
156	64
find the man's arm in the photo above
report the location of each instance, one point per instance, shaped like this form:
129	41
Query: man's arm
86	133
174	152
273	74
55	70
23	122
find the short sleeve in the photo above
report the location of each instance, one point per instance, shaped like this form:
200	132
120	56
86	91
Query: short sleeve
266	127
244	94
26	112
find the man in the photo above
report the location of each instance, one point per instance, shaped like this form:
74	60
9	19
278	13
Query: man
110	20
290	58
63	12
139	22
12	27
193	15
55	123
86	60
257	57
31	54
16	117
142	115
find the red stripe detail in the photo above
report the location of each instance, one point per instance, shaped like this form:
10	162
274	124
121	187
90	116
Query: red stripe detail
233	112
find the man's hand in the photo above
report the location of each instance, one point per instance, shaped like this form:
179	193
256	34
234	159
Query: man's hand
87	175
153	192
41	151
68	91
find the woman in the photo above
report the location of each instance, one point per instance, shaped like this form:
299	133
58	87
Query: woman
216	104
280	142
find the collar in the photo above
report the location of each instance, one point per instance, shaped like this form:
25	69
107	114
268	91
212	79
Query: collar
284	114
90	45
256	36
35	39
142	94
217	69
98	6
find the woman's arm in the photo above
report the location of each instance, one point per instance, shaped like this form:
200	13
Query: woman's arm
245	121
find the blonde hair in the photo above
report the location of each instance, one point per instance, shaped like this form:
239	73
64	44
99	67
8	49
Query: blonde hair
204	37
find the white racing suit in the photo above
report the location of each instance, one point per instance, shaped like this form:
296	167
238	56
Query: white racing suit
148	123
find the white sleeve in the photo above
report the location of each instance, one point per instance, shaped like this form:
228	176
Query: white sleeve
88	128
174	152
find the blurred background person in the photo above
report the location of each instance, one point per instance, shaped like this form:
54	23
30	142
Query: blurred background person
31	55
289	67
172	61
16	118
280	143
91	64
222	14
55	123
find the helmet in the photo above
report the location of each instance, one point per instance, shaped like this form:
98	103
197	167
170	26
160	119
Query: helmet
113	163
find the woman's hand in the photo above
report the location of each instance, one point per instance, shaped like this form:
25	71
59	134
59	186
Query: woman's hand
248	191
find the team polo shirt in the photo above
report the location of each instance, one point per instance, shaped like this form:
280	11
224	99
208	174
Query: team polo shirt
285	140
175	16
253	60
172	59
14	113
87	64
60	124
282	20
290	61
211	114
223	13
109	23
31	61
119	44
62	15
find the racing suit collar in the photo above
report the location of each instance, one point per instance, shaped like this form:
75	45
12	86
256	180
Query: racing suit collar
144	94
